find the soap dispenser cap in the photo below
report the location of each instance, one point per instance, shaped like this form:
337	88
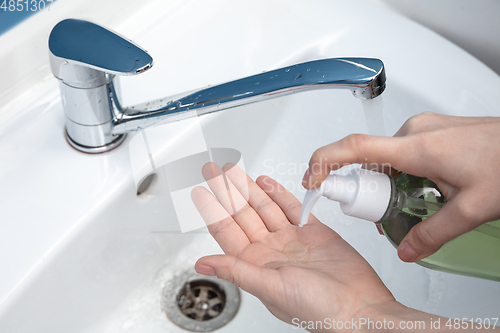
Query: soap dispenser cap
362	193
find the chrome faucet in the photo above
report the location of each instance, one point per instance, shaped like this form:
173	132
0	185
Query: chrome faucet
85	57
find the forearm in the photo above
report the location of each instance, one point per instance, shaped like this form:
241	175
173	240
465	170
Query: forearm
396	317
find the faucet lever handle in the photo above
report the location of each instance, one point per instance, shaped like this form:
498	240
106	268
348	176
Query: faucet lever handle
86	55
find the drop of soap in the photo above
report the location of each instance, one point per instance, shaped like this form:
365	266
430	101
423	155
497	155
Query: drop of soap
297	252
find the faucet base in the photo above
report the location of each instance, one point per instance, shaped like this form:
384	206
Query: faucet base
96	150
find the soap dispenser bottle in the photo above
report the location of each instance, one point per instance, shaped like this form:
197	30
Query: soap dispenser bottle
397	204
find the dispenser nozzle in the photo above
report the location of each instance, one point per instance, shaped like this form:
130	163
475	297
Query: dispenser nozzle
307	205
361	193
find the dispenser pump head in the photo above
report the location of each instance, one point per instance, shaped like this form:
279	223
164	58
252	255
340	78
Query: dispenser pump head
362	193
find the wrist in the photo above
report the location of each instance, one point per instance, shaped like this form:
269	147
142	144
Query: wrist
395	317
391	317
380	317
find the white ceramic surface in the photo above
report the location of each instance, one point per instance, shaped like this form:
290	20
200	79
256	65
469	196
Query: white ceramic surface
472	25
80	252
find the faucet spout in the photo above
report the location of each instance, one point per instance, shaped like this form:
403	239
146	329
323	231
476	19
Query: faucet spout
365	77
86	57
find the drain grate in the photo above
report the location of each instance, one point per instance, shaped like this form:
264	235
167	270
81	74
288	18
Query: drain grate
201	300
200	305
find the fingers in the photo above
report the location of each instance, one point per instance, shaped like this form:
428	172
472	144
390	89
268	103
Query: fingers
287	202
406	151
221	226
429	235
247	276
220	187
399	153
234	202
267	209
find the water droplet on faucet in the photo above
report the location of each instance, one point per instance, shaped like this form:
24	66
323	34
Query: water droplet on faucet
257	82
287	70
308	69
298	76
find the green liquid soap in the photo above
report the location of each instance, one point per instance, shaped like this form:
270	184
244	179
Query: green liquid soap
397	205
476	253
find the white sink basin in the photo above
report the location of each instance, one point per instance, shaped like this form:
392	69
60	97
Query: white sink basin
81	252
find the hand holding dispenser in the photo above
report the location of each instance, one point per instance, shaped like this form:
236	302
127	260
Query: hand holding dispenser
398	204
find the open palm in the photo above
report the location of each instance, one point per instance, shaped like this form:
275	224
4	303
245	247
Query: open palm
309	272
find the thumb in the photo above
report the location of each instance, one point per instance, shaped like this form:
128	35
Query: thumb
396	152
247	276
428	236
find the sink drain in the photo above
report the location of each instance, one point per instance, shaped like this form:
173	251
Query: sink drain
200	304
201	300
